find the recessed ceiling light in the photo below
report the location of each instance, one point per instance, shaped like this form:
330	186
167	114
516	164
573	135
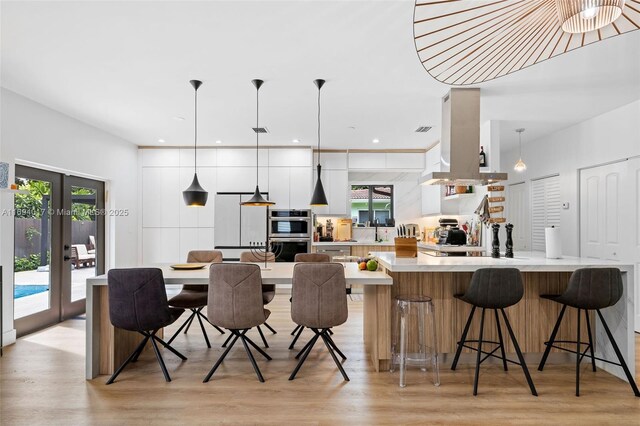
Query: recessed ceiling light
218	141
295	141
177	117
161	141
376	141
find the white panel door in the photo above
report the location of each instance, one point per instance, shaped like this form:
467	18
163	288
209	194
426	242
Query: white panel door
279	186
161	196
517	214
300	180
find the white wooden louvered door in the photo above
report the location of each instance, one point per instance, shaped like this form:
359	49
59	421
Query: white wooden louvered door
517	214
545	208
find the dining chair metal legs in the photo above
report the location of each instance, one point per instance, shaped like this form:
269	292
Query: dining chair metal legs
329	343
235	335
271	329
195	313
148	336
299	330
264	341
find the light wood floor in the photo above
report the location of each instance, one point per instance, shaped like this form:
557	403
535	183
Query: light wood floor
42	382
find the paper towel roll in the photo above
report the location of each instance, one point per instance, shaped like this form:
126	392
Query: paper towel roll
553	242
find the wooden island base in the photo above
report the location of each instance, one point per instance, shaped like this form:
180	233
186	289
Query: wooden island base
532	319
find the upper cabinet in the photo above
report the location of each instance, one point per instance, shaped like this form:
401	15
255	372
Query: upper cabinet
336	188
283	157
380	161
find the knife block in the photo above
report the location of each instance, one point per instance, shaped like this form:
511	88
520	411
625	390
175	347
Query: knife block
406	247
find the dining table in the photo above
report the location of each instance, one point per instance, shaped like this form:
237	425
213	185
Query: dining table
108	346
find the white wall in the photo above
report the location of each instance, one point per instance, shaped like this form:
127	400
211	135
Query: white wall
34	134
609	137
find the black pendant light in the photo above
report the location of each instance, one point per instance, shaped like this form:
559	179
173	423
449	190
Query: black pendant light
195	195
257	200
319	198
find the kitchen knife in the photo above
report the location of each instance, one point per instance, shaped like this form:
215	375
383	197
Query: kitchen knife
404	231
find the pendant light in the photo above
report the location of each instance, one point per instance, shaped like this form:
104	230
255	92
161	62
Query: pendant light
520	166
319	198
257	200
582	16
195	195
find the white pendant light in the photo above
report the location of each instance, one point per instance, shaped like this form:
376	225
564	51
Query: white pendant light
520	166
582	16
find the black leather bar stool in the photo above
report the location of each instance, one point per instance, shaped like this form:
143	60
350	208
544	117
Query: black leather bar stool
495	289
589	289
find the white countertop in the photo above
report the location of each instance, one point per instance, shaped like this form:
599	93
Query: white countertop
525	261
276	273
351	243
449	248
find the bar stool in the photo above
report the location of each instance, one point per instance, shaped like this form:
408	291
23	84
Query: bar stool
409	312
589	289
496	289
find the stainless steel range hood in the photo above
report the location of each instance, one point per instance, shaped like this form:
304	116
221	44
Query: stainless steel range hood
460	142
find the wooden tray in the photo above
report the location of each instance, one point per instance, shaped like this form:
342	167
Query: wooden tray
496	199
188	266
495	188
496	209
497	220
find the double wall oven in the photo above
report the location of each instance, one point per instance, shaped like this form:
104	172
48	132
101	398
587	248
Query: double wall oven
290	233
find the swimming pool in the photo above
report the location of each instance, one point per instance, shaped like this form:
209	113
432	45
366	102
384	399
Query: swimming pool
28	290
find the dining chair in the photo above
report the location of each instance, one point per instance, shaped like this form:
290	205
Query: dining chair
138	302
235	303
268	290
194	297
318	303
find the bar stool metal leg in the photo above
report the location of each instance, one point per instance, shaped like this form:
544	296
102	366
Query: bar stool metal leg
504	358
616	349
523	364
593	359
475	380
578	358
463	339
552	339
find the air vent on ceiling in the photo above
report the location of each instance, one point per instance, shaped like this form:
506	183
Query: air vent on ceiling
423	129
260	129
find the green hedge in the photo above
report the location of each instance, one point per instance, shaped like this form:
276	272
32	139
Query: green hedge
28	263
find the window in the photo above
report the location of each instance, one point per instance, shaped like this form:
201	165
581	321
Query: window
370	203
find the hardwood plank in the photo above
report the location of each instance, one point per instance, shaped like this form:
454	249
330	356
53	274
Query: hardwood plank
42	382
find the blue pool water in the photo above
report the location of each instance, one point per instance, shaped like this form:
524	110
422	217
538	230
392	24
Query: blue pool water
27	290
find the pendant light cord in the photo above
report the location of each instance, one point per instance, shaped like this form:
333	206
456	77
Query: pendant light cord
195	139
318	125
257	130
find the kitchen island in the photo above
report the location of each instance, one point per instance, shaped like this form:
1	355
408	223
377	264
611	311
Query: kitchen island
532	318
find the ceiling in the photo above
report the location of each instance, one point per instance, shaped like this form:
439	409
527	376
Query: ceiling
125	67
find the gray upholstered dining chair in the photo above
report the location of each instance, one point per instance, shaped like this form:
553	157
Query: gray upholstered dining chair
268	290
318	303
313	258
138	302
235	303
194	297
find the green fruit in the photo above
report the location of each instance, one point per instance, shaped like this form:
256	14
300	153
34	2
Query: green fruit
372	265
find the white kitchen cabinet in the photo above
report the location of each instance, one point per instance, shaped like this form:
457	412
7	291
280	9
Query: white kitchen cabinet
300	181
161	245
241	179
160	157
194	239
236	157
279	182
207	157
367	161
331	161
432	159
193	217
405	161
336	188
293	157
161	196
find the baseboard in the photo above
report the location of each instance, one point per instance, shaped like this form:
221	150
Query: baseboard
9	337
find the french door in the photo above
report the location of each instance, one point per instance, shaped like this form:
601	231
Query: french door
58	244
